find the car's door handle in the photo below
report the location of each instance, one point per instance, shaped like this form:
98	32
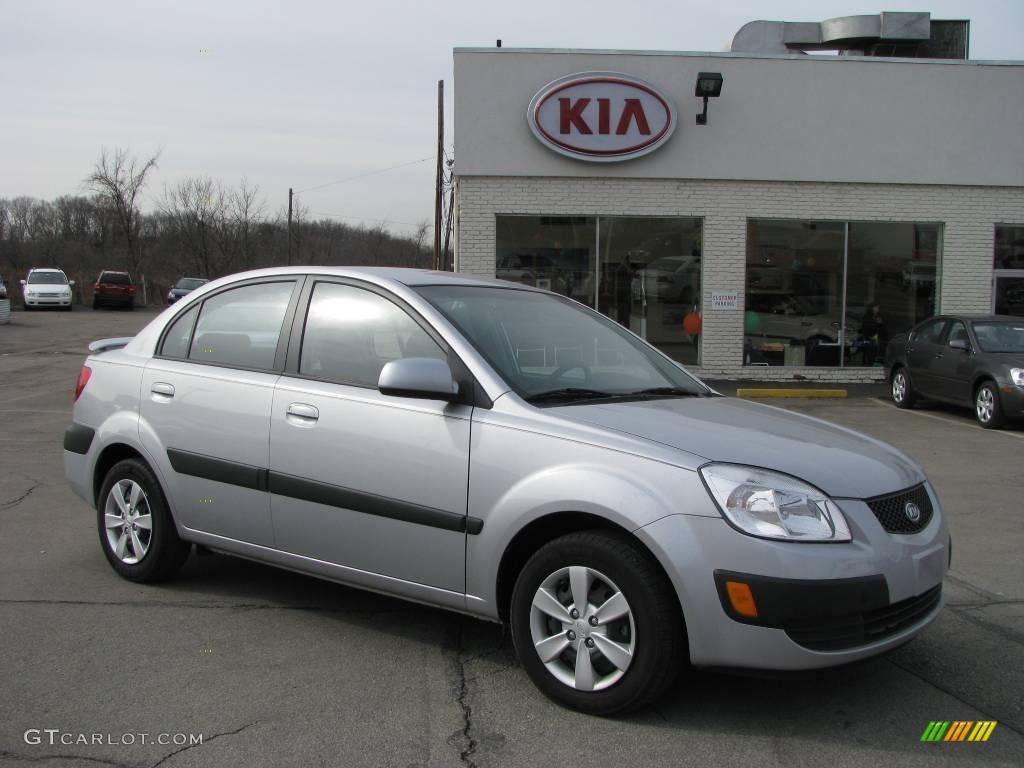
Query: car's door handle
302	414
162	391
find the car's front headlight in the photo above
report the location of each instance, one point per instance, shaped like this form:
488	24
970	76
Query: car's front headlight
771	505
1017	374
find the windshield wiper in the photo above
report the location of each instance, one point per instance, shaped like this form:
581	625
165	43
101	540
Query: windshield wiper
673	391
568	393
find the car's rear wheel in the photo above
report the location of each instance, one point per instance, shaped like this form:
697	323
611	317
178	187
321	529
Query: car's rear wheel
987	408
135	525
95	303
903	392
596	623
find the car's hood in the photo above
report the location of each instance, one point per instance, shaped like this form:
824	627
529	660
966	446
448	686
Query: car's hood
839	461
1009	359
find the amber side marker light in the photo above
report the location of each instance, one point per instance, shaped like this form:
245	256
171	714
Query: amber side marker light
741	598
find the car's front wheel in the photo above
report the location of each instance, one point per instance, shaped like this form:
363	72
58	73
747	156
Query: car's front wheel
135	525
987	408
596	623
903	392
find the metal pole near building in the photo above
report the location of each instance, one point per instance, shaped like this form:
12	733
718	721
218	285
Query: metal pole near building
437	185
288	258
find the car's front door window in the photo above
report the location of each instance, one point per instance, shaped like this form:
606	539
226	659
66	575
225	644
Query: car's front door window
352	333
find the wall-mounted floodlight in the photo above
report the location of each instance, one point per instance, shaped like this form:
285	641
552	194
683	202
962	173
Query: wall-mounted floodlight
709	85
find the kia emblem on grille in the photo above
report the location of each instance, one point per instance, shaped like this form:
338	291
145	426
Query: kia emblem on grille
912	511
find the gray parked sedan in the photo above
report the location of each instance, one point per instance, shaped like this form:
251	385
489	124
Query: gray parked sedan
505	452
972	360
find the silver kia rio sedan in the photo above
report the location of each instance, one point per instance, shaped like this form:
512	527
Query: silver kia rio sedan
505	452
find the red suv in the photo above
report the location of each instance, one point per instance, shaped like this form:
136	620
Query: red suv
113	289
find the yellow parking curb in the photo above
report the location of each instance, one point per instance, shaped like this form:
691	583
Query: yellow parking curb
791	393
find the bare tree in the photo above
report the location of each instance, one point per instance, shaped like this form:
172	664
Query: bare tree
194	208
119	177
246	211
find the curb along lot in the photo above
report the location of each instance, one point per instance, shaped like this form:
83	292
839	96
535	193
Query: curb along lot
276	668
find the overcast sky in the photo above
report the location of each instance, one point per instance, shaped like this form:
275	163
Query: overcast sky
304	93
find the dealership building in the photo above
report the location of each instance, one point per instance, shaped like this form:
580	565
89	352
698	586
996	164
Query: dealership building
787	221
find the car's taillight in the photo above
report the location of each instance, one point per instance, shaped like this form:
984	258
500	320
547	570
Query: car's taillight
83	379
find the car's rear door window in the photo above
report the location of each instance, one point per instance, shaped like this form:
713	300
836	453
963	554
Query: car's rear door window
241	327
352	333
930	333
179	334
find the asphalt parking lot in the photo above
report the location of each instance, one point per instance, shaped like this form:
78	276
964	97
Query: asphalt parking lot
274	668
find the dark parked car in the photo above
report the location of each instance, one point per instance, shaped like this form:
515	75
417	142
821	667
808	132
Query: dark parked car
184	286
966	360
113	289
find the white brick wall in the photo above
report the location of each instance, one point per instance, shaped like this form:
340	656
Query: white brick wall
968	215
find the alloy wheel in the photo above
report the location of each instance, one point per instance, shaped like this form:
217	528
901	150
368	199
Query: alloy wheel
128	521
985	405
899	386
582	628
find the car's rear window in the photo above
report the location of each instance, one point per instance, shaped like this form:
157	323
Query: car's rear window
190	283
115	278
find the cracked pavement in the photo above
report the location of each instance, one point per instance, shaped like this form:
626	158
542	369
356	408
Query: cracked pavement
277	669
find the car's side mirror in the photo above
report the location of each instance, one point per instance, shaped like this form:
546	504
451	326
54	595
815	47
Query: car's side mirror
22	282
960	344
423	377
71	282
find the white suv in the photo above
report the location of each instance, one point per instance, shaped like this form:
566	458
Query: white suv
46	288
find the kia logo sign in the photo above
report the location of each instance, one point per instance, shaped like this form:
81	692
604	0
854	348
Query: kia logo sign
601	116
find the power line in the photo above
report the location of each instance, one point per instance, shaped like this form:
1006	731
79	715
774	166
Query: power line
364	175
383	220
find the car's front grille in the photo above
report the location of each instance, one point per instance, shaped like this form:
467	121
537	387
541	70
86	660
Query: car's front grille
895	511
844	632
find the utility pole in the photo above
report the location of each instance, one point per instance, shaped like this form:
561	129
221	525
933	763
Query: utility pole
437	185
288	262
448	229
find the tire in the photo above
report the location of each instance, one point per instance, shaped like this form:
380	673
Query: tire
161	553
903	393
69	307
987	408
95	304
651	630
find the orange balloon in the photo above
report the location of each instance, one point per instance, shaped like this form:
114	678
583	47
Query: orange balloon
692	324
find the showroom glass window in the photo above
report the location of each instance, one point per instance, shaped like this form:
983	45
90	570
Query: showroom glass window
643	272
1008	279
826	293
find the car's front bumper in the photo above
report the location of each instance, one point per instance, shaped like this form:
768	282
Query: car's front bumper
830	604
48	301
1011	398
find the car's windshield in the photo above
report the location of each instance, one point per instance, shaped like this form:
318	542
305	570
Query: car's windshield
1000	337
189	283
48	278
115	278
542	343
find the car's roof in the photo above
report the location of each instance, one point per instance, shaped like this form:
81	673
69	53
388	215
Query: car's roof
112	272
980	318
385	275
46	269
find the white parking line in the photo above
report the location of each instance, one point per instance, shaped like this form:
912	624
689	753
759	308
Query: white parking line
968	425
